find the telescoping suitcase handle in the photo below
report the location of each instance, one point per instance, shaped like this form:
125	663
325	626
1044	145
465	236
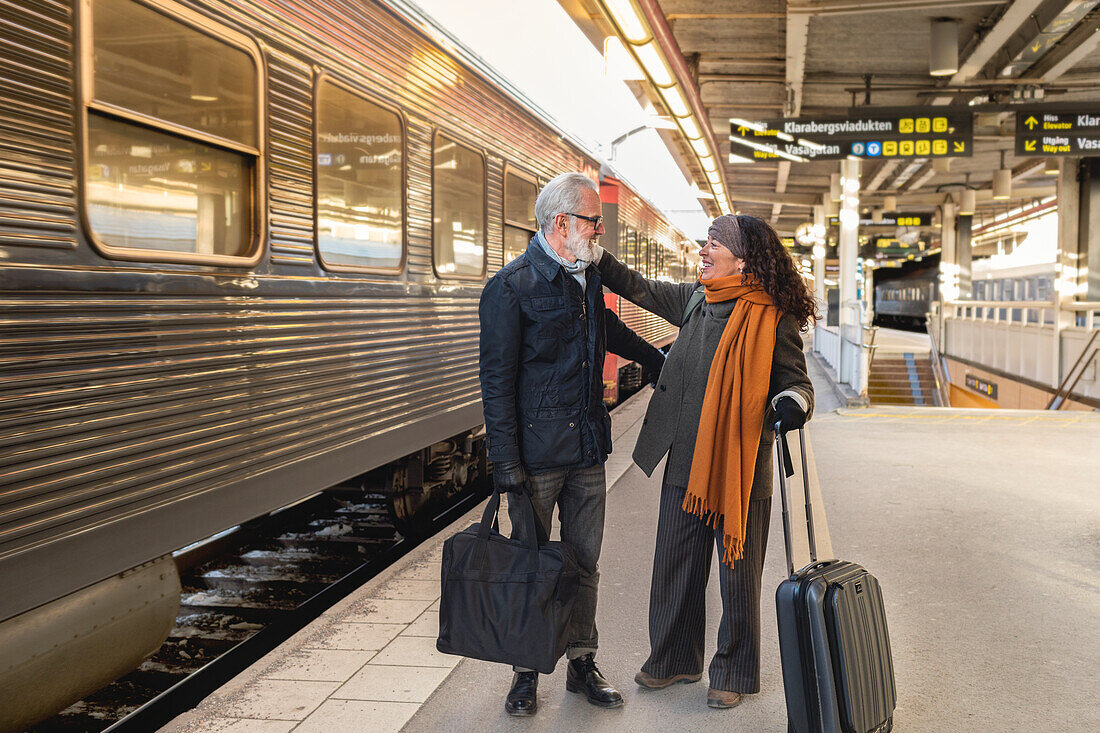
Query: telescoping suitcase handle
783	456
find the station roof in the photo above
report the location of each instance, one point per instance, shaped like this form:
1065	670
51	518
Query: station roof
767	59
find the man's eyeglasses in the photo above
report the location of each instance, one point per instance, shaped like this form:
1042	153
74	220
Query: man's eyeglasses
597	221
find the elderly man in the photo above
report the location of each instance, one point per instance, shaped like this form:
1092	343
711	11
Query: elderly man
544	329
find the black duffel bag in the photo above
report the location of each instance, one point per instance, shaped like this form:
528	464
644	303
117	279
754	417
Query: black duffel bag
507	600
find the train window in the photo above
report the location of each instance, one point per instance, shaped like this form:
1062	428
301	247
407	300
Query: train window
173	130
458	210
519	214
360	181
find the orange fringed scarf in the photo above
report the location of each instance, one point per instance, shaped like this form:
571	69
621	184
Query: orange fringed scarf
724	462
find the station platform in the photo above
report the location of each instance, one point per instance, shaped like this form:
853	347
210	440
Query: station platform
983	528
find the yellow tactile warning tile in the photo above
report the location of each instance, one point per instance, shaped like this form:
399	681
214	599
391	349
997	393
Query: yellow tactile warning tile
947	414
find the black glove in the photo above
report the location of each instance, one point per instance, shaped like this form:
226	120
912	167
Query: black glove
510	476
789	415
652	371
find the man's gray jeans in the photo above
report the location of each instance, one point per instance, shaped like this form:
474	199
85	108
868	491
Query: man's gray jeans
580	495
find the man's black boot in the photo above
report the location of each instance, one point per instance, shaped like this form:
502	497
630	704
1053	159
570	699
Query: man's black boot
523	697
583	676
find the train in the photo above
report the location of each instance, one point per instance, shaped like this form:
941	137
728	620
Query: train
241	250
906	300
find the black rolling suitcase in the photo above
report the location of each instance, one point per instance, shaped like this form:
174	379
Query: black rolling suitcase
837	670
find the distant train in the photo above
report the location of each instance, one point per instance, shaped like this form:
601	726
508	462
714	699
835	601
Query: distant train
242	247
905	301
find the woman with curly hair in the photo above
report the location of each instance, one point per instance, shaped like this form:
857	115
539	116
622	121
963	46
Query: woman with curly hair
735	370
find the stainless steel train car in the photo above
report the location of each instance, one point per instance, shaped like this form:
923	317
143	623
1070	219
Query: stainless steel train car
905	301
241	250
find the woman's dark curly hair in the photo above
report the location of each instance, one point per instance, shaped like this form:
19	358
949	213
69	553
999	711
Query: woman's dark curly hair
767	258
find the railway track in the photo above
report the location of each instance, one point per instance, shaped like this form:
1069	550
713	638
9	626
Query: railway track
246	591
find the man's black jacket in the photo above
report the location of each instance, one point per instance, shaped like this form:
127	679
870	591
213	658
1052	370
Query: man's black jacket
542	352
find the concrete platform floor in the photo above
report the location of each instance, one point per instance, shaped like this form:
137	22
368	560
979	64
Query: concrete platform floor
984	530
982	526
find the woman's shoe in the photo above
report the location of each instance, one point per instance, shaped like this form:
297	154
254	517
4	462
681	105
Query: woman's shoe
723	699
659	683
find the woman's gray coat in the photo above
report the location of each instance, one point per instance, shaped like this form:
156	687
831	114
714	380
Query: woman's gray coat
672	419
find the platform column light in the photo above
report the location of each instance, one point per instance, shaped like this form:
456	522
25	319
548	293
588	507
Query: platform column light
943	57
1052	167
890	203
851	367
968	202
634	28
949	267
835	192
819	250
876	215
1002	181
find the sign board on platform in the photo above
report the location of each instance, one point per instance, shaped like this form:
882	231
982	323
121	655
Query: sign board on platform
905	132
894	219
1043	132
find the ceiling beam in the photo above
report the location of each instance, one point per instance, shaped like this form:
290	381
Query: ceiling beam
998	35
1078	44
770	197
725	16
852	7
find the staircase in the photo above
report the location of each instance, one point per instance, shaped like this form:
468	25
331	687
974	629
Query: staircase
901	379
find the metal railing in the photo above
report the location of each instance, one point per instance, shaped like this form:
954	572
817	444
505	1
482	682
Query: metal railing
1063	392
939	374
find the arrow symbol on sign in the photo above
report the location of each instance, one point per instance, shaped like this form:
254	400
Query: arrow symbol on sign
1037	46
1031	122
1029	145
742	131
959	146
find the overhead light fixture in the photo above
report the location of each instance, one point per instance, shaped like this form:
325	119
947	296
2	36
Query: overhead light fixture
835	192
876	215
618	63
708	163
890	203
937	219
691	131
627	18
941	165
968	202
674	99
654	64
1052	167
700	193
1002	181
714	176
943	58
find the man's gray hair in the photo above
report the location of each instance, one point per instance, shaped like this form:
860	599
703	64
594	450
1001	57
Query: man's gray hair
562	195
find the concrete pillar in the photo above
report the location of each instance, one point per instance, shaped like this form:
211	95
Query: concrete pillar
963	230
848	249
820	227
1088	231
949	265
848	252
1066	267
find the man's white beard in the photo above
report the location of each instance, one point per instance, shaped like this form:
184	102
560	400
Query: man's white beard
580	247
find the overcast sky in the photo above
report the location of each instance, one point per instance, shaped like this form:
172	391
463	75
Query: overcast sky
536	46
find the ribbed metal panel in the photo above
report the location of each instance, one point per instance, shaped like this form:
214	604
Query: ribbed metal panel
494	232
153	399
37	203
419	205
290	159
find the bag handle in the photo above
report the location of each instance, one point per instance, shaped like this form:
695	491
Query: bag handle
536	533
786	469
